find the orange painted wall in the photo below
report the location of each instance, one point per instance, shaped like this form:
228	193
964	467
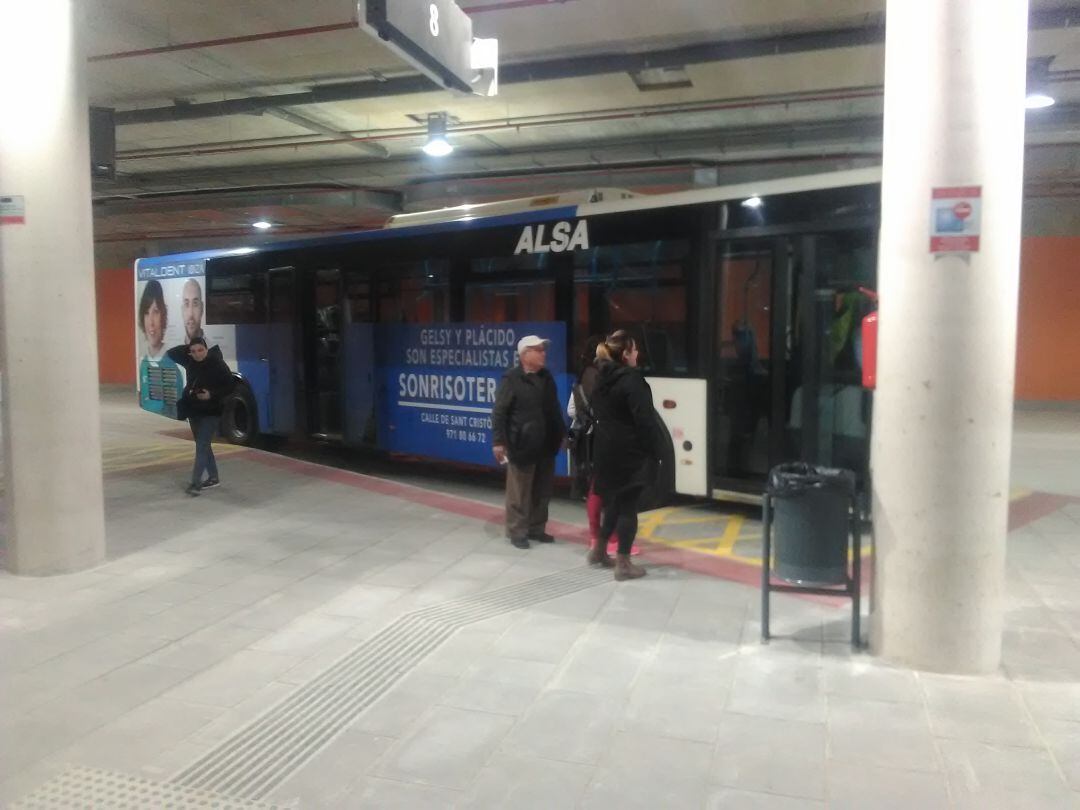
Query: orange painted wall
1048	340
116	326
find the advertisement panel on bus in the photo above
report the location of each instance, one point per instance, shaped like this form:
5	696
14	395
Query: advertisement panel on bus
170	311
438	384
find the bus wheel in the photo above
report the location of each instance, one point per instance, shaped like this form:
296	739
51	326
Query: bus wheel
239	420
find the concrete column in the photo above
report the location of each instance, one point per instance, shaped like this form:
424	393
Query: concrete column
48	337
954	116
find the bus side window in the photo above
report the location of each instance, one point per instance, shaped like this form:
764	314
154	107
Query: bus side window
234	299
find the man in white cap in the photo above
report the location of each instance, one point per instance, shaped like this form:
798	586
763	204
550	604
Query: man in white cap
527	432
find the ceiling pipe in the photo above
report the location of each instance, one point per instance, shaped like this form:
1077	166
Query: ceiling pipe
302	121
872	33
600	116
214	43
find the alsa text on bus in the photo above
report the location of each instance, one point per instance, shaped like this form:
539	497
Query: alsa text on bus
563	236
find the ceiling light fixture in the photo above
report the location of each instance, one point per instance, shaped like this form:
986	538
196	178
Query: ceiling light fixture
437	145
1039	101
753	202
262	225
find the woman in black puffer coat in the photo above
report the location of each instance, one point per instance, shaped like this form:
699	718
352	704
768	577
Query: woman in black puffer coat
626	446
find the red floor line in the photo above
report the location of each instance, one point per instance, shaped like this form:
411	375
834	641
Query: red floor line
1034	507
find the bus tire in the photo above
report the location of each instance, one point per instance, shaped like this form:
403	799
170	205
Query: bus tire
240	418
662	483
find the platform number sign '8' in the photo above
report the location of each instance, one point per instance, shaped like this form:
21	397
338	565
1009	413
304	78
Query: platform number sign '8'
433	20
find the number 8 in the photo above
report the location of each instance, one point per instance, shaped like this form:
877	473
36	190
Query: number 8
433	23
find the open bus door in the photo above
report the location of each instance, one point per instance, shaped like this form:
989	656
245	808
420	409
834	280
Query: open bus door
786	374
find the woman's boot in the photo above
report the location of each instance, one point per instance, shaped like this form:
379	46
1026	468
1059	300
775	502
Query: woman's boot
624	569
598	554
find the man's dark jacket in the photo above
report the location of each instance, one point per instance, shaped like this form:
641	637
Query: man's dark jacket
527	419
211	375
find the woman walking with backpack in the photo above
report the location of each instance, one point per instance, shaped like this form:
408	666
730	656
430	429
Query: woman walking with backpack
625	448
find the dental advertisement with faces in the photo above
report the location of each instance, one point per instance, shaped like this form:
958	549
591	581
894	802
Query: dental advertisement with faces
170	304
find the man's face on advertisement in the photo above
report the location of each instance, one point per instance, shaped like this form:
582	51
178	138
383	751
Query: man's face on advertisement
192	309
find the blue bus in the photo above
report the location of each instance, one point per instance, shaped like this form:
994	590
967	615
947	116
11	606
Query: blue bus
744	299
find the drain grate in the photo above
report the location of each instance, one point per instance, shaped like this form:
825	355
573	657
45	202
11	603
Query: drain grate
92	788
262	755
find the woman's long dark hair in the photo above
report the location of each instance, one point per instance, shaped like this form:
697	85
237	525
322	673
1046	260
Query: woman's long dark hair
588	357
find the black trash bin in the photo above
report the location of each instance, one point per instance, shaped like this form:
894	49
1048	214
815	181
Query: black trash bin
811	523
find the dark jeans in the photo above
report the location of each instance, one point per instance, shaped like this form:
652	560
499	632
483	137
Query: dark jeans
204	428
620	518
528	493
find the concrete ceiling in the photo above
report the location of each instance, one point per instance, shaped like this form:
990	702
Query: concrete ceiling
287	110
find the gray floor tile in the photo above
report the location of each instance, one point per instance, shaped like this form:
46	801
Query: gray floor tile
566	726
446	748
397	710
856	734
669	700
980	774
232	720
649	772
977	709
304	636
782	686
234	679
516	671
478	694
1063	739
527	783
854	786
1059	701
731	799
770	756
865	678
536	637
387	794
601	668
330	779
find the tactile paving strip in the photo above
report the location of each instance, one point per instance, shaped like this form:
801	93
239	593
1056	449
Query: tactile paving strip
94	789
262	755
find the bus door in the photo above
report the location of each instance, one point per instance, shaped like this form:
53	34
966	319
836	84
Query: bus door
828	411
787	369
284	371
752	316
358	358
323	356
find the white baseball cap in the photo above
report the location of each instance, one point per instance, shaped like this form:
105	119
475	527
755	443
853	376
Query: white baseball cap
531	342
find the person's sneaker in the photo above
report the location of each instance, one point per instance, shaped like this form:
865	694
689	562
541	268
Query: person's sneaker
193	490
210	483
543	537
519	542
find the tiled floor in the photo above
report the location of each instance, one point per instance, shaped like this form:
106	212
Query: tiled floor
235	611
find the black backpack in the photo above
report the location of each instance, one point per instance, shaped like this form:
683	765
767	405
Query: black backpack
581	443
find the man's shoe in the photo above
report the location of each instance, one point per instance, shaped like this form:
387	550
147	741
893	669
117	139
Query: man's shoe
519	542
210	483
543	537
193	490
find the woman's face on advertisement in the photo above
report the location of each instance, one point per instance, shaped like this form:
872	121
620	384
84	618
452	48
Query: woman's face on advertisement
154	325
